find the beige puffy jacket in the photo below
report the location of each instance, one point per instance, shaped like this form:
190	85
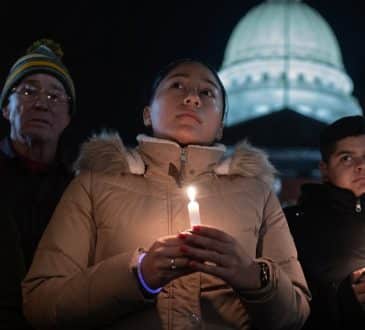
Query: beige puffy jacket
83	274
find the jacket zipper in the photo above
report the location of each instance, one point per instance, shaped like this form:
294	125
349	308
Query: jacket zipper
182	166
358	207
181	177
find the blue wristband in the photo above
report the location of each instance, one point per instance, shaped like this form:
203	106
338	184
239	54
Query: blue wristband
141	279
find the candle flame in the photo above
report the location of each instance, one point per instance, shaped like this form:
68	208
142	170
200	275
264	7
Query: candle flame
191	193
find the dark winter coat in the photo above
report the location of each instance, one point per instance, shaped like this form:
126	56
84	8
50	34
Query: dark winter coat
28	197
328	226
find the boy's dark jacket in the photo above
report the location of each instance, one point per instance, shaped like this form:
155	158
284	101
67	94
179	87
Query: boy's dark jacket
328	226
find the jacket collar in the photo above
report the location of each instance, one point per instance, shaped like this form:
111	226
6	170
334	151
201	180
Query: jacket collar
329	197
9	153
183	164
107	154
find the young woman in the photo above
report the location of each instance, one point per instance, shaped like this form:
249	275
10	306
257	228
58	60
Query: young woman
119	253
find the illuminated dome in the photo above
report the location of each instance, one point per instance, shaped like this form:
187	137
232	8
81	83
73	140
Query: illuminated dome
283	54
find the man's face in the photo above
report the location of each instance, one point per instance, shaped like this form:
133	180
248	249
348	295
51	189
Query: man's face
38	109
346	165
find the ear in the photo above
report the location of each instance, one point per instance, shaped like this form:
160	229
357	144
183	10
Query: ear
219	134
5	112
147	117
323	168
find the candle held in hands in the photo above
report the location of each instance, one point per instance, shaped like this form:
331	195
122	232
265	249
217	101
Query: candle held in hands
193	207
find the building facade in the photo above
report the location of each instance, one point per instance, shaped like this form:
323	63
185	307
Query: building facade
283	64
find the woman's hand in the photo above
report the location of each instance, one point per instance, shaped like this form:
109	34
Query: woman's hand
358	284
164	262
217	253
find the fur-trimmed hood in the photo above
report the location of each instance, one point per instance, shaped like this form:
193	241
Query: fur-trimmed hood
106	153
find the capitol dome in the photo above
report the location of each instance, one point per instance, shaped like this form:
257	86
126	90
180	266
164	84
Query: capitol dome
283	54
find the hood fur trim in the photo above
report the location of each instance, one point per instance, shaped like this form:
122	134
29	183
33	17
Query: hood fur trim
106	153
248	161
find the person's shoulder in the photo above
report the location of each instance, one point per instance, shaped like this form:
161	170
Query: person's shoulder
6	151
248	162
3	158
6	162
106	154
293	212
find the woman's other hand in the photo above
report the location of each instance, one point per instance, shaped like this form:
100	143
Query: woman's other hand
217	253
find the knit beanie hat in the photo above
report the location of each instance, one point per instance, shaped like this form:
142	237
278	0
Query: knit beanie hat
338	130
43	56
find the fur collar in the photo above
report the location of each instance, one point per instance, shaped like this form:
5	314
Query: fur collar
106	153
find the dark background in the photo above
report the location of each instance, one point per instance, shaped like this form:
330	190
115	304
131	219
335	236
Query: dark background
113	49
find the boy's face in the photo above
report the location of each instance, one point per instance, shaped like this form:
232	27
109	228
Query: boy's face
346	165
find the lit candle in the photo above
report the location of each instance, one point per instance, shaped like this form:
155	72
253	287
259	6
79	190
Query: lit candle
193	207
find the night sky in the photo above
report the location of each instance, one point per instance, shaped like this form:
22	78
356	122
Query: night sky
114	48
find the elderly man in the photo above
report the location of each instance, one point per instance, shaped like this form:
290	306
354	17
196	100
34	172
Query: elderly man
38	100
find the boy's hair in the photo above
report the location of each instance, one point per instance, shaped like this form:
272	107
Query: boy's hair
340	129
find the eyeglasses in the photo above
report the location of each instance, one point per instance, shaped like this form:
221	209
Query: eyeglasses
31	93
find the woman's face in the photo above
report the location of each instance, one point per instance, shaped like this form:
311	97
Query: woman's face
187	106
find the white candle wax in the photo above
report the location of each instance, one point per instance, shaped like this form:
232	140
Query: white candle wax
194	215
193	208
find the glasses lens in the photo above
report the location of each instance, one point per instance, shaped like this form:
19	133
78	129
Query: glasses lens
32	93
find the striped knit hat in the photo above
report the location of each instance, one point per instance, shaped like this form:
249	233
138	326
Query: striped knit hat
43	56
